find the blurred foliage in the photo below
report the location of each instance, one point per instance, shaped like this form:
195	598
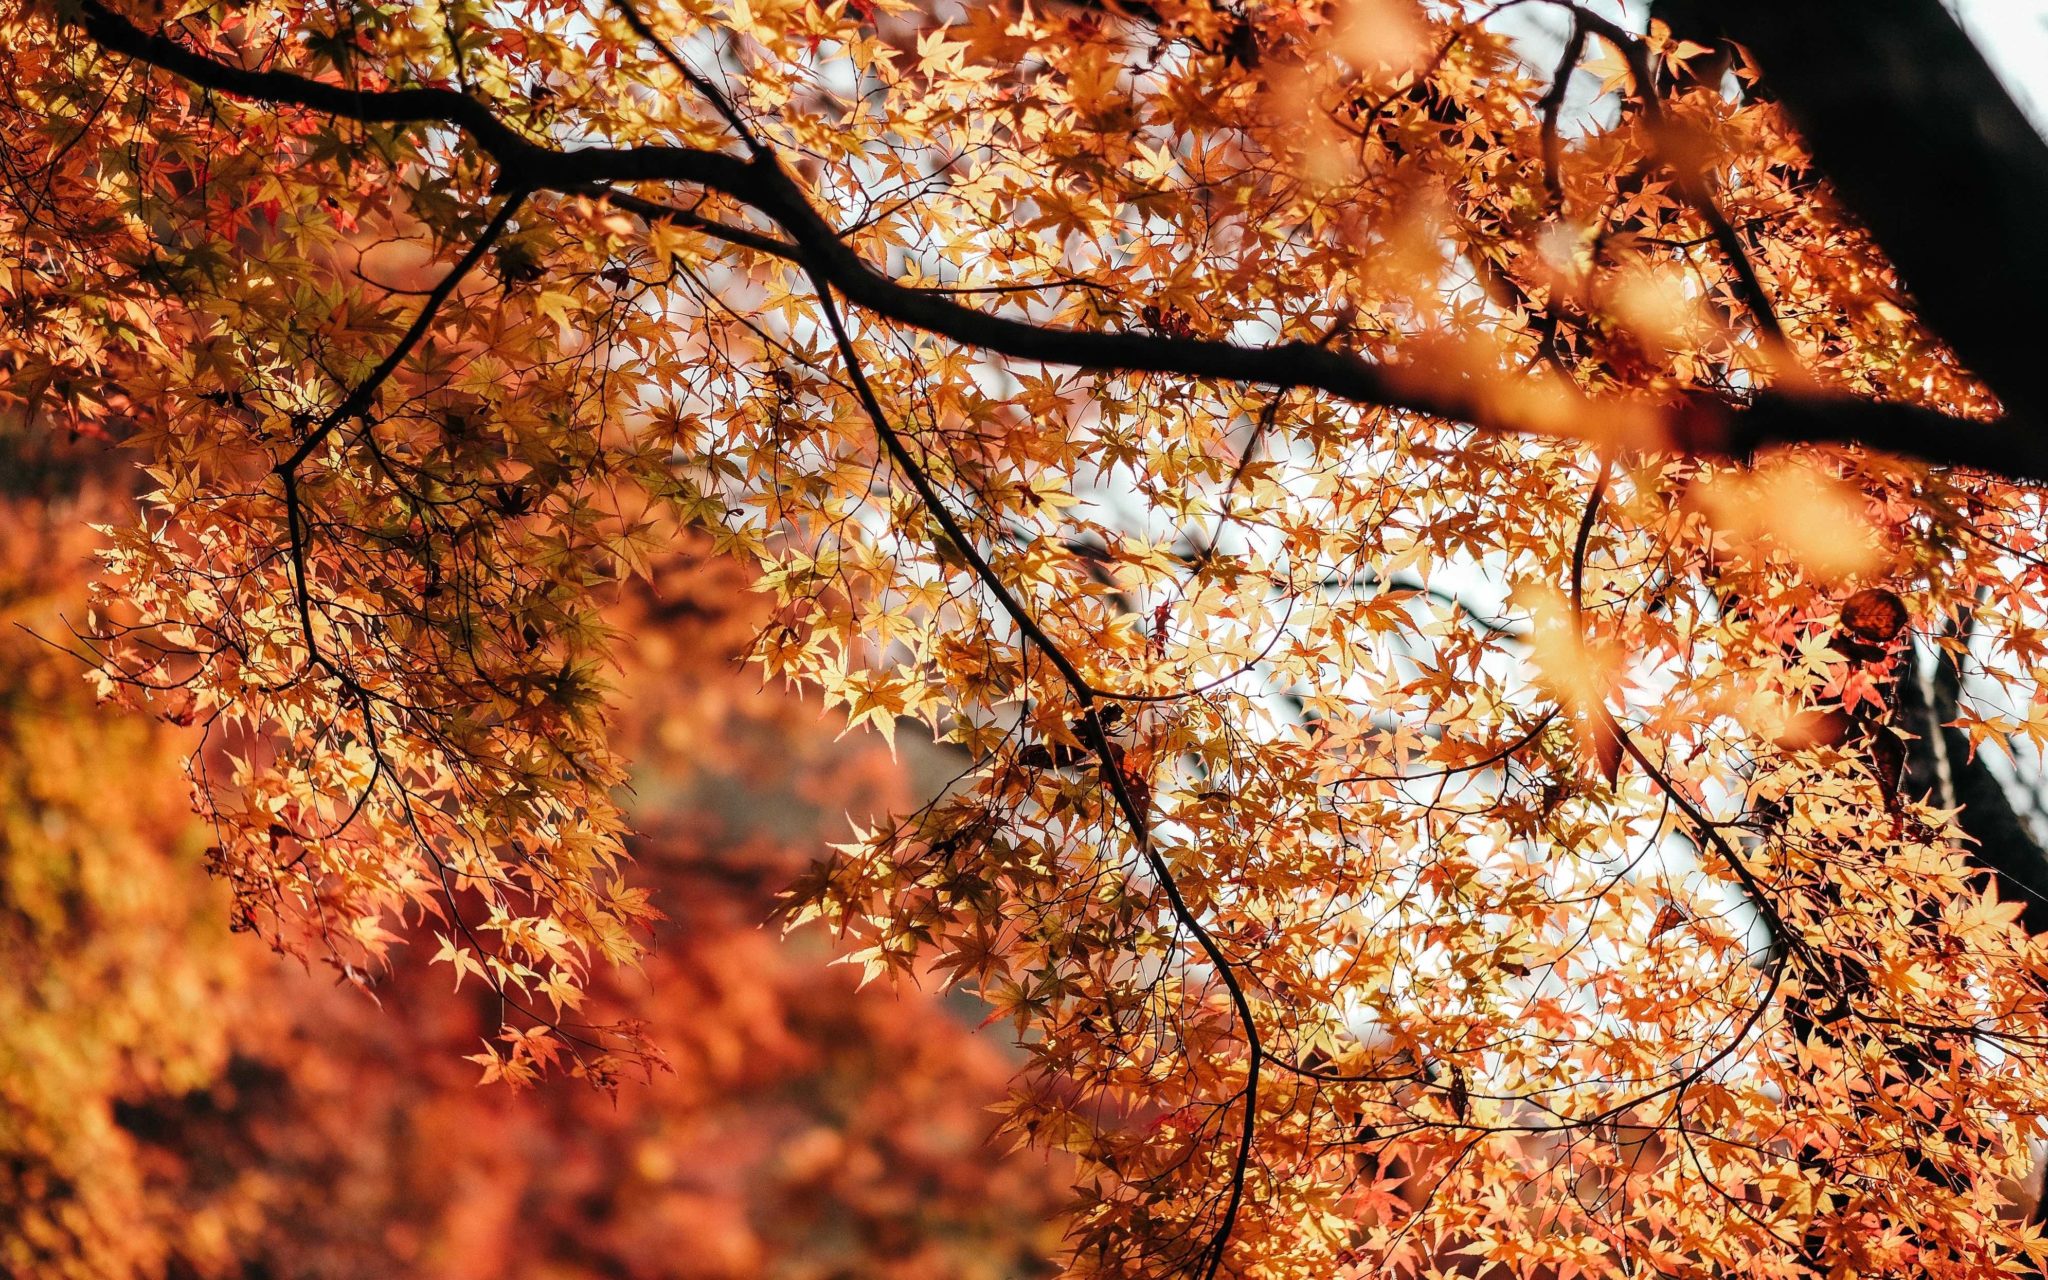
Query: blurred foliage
178	1101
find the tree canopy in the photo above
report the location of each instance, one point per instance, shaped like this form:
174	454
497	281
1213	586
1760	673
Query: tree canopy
1466	555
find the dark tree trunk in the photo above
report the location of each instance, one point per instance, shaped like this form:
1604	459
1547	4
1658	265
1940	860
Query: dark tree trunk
1939	767
1926	148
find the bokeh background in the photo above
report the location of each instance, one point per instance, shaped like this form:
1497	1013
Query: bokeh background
176	1100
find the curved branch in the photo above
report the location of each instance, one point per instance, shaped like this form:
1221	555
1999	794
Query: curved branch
525	162
1692	184
1698	424
1211	1258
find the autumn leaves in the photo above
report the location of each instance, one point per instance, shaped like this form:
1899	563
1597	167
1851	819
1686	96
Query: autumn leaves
964	340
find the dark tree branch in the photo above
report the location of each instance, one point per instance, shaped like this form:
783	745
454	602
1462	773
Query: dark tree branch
1550	108
719	102
516	154
1096	732
1701	424
364	394
1692	184
1941	766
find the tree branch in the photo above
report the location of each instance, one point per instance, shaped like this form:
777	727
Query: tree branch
1699	424
1135	817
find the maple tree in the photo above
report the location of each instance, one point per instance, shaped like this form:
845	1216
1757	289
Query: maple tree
1452	573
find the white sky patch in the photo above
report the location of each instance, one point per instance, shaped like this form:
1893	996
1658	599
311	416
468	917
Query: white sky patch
2014	37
